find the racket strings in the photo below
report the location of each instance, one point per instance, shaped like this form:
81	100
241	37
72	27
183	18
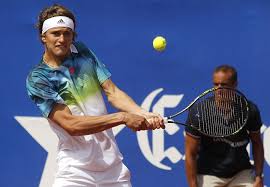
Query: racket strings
221	113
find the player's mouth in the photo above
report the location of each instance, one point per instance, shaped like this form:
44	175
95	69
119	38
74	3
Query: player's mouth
61	46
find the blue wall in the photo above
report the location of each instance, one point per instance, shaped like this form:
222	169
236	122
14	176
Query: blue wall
200	36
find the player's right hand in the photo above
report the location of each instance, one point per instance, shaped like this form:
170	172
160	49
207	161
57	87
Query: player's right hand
136	122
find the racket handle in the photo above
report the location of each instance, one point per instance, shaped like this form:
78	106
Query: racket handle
167	120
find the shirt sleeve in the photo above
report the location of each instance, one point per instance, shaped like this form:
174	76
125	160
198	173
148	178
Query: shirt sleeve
254	122
41	91
101	71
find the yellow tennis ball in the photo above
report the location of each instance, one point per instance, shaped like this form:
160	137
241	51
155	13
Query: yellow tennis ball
159	43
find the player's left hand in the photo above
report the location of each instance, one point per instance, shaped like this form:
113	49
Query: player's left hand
258	182
154	119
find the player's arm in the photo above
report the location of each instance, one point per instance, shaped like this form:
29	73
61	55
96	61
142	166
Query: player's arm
256	142
191	152
84	125
258	155
121	101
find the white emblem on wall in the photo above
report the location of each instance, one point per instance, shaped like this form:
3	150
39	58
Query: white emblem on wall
266	144
158	152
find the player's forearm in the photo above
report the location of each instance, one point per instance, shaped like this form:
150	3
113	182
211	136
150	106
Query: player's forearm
123	102
119	99
191	170
84	125
258	156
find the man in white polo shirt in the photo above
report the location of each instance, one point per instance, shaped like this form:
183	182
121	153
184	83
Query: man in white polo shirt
66	86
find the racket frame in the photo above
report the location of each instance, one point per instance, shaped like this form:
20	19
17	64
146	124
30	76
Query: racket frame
170	120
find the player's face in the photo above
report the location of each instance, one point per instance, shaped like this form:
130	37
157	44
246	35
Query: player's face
58	41
223	79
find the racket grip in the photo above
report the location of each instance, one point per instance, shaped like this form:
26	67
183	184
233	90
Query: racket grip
165	119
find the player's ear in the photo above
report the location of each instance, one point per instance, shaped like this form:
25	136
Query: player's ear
42	38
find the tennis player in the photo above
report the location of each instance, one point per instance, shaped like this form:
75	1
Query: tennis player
66	86
224	162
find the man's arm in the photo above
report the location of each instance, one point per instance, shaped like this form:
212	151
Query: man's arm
258	156
121	101
191	152
84	125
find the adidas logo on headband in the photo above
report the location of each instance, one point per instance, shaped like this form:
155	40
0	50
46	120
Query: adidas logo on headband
60	21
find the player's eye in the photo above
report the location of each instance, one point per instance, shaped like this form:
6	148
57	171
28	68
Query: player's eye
67	34
56	33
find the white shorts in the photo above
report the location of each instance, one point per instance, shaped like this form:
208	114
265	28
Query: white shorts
117	176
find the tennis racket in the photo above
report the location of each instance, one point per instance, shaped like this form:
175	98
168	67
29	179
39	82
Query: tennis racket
217	112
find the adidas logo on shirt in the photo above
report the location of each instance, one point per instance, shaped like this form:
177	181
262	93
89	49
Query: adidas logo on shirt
60	21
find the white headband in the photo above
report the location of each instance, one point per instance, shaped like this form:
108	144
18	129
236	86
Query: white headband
57	21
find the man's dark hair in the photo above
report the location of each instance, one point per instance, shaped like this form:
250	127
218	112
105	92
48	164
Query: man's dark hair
52	11
227	69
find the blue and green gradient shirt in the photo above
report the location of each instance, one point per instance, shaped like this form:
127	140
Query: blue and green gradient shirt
77	84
